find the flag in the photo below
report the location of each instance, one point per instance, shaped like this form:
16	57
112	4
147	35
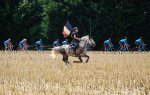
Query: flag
67	29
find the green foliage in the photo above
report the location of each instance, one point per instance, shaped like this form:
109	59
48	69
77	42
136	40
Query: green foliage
35	19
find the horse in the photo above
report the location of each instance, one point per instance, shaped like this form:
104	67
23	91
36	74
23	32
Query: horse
80	52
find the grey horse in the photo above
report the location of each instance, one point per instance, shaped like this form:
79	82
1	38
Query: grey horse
81	51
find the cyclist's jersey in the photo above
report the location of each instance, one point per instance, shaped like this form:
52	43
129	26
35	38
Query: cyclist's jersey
39	42
64	42
55	43
21	42
107	41
7	41
138	41
123	41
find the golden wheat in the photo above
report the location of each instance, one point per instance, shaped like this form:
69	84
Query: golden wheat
35	73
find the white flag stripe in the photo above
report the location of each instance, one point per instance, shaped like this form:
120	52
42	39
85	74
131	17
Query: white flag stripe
66	30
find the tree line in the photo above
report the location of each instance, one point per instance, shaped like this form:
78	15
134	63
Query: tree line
45	19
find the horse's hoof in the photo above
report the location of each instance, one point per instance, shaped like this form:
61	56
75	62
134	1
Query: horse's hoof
77	61
67	62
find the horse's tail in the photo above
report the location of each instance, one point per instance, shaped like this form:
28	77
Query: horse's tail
55	51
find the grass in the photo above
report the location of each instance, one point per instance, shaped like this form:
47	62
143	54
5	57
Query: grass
35	73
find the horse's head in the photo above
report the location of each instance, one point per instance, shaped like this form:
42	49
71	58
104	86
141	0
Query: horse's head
89	40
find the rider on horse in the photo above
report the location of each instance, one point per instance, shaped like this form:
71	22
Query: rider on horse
75	37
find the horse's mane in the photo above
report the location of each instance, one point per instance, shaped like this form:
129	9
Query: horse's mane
85	37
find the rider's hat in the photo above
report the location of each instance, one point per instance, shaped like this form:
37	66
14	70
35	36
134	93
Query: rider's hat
75	28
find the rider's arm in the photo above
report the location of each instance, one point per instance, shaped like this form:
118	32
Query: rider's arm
42	44
142	42
58	43
75	37
110	43
53	44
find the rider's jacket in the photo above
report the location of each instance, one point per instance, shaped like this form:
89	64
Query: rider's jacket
75	34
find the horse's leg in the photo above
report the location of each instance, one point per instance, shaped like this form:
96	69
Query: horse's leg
65	59
80	59
87	58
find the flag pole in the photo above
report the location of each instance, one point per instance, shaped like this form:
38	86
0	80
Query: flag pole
90	26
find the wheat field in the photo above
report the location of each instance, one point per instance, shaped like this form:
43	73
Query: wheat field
35	73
